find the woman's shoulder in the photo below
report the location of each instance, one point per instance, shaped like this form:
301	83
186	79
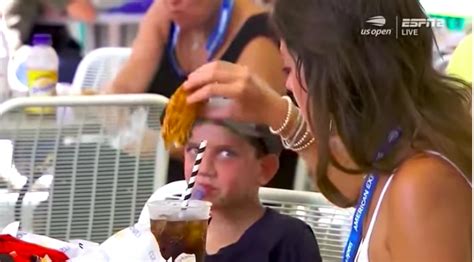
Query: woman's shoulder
428	168
251	33
250	14
428	208
248	8
425	178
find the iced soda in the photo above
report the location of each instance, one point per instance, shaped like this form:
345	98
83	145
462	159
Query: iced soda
180	232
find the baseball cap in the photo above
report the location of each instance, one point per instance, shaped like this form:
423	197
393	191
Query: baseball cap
271	144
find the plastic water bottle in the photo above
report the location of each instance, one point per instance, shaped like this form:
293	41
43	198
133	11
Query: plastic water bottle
5	91
42	71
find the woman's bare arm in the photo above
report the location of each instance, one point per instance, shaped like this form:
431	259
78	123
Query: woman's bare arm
262	57
148	46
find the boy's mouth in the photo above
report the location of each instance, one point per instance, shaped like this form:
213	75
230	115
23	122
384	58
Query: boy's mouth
208	189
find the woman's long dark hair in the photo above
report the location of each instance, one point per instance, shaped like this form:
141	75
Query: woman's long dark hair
370	84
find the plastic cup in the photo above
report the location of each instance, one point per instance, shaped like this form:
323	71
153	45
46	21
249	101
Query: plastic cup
180	232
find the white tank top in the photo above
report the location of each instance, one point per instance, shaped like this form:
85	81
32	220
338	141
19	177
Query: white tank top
363	251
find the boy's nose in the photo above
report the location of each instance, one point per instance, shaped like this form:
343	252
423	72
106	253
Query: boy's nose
206	168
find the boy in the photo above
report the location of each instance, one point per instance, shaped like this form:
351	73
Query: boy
240	158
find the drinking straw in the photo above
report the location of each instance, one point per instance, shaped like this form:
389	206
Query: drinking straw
192	180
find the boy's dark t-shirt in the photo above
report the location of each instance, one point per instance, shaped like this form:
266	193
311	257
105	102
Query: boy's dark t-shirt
273	238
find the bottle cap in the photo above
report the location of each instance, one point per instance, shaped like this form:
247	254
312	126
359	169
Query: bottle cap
42	39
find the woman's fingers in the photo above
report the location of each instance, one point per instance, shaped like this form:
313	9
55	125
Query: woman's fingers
218	71
214	89
219	112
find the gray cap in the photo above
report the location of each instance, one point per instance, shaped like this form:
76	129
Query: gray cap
271	143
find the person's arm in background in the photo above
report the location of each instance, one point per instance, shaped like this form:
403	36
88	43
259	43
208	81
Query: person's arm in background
136	74
82	10
262	57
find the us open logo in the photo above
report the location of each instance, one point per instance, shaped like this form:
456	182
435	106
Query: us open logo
376	24
376	20
411	26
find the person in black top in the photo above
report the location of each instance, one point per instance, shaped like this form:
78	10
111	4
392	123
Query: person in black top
176	37
238	160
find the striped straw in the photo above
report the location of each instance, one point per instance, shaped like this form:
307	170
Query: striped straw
189	190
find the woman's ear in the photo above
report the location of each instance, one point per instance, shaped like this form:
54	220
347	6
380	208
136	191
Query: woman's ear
269	165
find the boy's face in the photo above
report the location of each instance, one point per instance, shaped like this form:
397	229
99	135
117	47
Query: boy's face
231	172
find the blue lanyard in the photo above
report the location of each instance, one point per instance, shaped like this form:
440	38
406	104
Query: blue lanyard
365	197
214	40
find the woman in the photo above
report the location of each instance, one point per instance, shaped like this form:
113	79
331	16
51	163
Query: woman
372	105
176	37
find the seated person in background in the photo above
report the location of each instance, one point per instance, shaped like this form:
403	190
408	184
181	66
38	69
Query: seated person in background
238	160
176	37
25	18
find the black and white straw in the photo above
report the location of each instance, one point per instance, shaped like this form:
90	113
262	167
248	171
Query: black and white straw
192	180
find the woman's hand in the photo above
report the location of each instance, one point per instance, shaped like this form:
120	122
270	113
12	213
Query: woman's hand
251	99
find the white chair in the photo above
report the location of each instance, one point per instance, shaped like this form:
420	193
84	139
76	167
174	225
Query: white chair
330	224
99	67
66	179
302	181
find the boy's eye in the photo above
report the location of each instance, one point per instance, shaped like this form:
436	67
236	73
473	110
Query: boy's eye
286	70
191	150
227	153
